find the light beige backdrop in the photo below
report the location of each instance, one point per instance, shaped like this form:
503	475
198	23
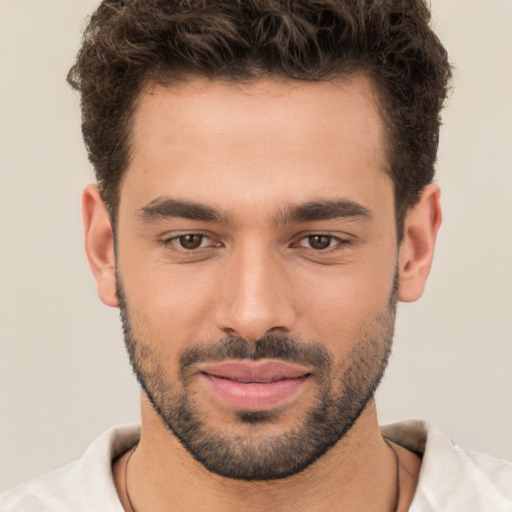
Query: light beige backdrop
63	373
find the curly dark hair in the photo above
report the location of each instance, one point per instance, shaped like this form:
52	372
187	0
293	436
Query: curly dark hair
129	43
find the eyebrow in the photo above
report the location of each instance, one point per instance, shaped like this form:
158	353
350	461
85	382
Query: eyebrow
323	210
166	207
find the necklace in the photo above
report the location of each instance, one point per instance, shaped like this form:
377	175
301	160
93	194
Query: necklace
126	481
397	477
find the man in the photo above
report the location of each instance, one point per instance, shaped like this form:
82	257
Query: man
264	199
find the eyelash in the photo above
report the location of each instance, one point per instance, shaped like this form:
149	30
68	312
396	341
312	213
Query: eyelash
339	242
174	244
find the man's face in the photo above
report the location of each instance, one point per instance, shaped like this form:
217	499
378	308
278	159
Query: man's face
256	264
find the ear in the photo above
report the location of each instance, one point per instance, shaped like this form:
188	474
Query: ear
99	244
417	248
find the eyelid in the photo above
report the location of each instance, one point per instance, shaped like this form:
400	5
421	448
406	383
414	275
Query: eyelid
170	241
341	239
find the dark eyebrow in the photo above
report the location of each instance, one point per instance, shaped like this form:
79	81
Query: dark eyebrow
322	210
165	207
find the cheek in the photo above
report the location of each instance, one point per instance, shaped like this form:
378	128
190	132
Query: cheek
339	304
170	305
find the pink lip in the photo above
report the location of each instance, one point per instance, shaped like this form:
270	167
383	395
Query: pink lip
254	385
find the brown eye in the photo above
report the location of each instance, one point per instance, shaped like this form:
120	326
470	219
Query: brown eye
319	242
190	241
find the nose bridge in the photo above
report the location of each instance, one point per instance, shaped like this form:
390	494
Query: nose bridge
254	298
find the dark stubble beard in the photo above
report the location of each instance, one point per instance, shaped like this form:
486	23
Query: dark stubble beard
344	390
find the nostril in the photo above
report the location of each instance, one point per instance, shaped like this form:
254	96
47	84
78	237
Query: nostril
229	331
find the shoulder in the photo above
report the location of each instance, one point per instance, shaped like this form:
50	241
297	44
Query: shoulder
83	485
451	478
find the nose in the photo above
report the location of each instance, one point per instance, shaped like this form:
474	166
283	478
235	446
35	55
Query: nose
255	297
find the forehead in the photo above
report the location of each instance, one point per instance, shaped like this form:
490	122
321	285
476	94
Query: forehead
296	137
210	107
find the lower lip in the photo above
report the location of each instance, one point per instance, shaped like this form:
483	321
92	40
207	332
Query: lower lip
254	396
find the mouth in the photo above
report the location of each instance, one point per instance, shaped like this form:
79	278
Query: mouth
254	385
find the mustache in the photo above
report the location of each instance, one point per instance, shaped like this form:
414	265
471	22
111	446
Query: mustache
270	346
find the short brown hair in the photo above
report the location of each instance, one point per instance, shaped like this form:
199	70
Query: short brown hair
129	43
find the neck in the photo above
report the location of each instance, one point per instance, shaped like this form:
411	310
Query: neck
358	473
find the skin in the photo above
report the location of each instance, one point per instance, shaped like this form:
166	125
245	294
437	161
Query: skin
251	152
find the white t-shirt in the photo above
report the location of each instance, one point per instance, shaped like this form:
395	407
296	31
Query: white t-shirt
451	479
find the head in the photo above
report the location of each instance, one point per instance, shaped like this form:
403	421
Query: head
264	169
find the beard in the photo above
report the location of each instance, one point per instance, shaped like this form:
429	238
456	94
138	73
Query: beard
343	390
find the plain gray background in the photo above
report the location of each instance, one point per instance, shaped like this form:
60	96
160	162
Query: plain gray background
64	377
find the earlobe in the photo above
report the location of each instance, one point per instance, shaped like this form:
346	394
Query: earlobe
99	244
417	248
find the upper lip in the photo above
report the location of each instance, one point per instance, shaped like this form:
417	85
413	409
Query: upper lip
254	371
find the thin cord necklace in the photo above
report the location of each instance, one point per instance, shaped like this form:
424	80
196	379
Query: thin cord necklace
126	481
397	477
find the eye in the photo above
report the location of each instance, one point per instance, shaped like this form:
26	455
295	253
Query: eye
321	242
189	242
